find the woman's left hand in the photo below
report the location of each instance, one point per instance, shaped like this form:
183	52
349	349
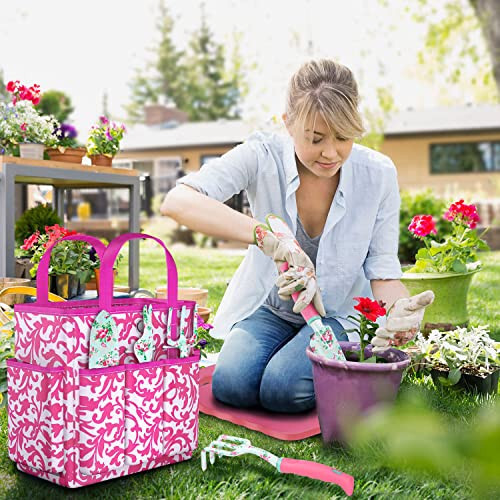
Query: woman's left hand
403	321
303	281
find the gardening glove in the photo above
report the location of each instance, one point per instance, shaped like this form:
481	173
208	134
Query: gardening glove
300	276
403	321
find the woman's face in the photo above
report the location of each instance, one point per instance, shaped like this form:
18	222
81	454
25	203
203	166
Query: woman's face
319	152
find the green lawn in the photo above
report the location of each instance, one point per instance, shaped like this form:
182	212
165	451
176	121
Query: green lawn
250	477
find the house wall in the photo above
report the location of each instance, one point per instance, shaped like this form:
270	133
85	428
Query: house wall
411	155
191	155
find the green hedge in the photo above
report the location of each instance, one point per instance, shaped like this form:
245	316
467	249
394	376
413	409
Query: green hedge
419	203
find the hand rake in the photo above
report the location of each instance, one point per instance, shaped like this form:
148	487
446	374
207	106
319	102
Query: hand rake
231	446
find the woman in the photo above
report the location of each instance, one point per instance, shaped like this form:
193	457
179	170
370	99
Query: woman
342	202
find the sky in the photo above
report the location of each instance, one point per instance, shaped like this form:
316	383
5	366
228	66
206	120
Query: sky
90	47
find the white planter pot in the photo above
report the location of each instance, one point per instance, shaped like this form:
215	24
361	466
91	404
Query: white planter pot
33	151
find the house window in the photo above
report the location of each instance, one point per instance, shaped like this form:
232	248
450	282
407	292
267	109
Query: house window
465	157
166	172
206	158
238	202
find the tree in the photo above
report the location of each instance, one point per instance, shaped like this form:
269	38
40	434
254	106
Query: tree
57	103
452	41
213	91
196	80
162	77
488	13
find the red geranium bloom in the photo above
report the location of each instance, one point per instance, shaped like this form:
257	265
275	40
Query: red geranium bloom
422	225
463	213
29	242
370	309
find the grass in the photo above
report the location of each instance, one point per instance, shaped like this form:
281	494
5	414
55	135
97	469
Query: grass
249	477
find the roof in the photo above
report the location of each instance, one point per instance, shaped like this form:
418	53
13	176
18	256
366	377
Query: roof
484	117
190	134
232	132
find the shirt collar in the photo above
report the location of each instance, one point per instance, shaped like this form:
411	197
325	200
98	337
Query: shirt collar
291	172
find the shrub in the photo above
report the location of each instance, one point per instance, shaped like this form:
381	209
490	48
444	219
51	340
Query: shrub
422	202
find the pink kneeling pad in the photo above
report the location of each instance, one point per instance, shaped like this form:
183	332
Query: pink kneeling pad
288	427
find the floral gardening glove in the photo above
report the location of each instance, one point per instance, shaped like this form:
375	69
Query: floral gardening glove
403	321
282	247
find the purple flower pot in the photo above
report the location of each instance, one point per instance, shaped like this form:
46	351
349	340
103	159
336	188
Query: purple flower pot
345	391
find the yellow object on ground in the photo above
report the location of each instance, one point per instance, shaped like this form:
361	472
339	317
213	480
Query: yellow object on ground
28	290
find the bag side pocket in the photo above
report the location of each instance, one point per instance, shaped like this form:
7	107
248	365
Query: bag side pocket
143	412
36	415
101	436
181	405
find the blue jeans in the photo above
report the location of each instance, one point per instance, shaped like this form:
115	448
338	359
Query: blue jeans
263	362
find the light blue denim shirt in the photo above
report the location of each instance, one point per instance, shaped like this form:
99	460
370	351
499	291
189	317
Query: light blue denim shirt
359	241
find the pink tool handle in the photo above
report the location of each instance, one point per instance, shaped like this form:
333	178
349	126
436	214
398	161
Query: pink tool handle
318	471
309	311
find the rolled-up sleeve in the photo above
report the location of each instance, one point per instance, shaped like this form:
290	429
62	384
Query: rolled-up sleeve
382	260
228	175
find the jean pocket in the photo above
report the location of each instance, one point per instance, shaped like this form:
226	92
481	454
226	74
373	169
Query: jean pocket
181	403
143	412
100	415
36	416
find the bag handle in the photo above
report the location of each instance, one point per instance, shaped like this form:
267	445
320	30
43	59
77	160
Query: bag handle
42	274
107	262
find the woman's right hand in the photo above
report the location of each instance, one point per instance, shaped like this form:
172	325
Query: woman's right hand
300	276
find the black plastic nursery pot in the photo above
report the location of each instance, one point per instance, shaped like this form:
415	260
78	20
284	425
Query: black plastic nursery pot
474	384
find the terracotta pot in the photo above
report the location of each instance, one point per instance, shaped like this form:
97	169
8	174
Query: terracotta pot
68	155
204	313
101	160
199	295
95	282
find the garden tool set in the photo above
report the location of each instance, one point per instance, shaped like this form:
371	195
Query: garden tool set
231	446
132	367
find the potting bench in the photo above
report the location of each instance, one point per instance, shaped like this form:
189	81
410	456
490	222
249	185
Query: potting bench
63	177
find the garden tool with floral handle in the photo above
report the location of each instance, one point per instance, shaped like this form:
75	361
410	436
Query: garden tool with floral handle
231	446
182	342
323	340
103	351
144	347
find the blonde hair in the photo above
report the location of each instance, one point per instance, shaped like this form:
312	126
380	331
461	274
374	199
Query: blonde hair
329	89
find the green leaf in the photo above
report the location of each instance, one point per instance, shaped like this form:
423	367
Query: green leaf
454	376
372	359
423	253
459	267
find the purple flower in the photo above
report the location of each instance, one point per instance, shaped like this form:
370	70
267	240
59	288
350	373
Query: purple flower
103	120
109	137
202	324
68	130
202	343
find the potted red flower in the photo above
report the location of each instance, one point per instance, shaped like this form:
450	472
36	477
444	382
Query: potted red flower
70	263
346	390
446	267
